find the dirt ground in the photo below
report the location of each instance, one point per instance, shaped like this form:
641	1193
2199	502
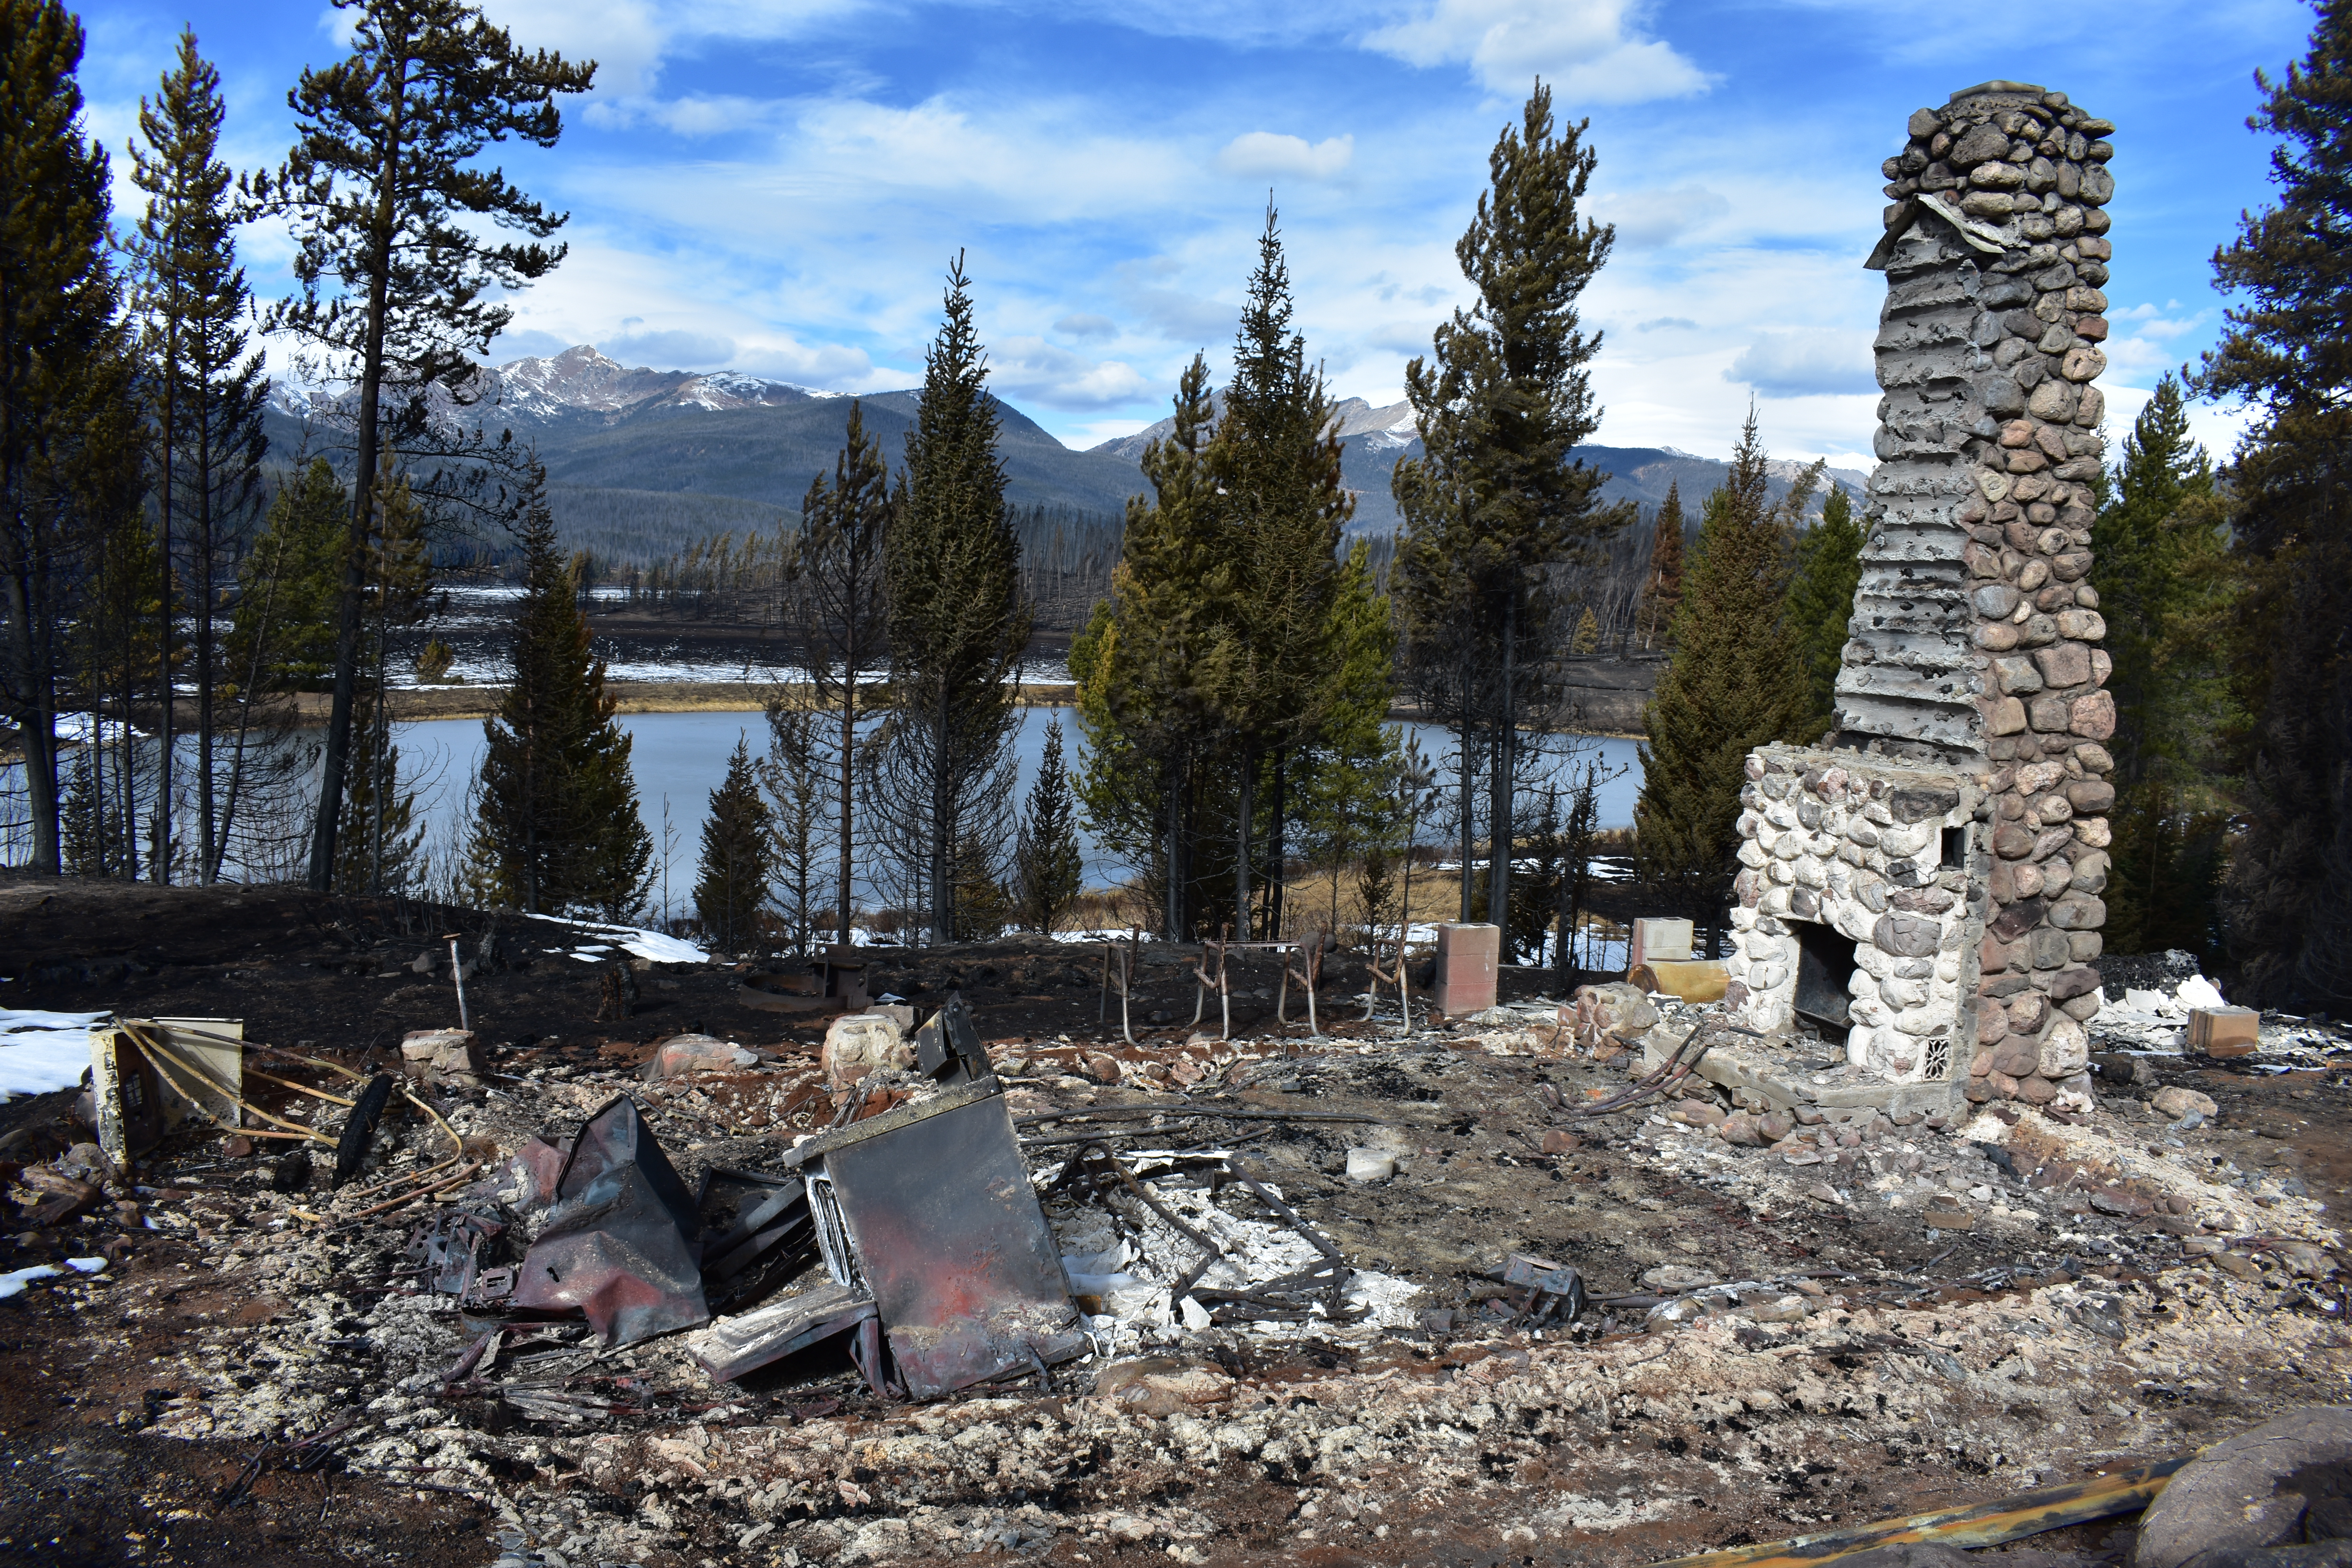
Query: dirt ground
247	1381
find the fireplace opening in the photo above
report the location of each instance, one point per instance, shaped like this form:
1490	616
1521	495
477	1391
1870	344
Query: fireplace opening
1825	962
1955	849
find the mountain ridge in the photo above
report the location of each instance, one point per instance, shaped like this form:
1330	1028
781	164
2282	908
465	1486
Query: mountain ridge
641	462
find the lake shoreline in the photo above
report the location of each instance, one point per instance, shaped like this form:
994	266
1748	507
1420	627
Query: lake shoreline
411	705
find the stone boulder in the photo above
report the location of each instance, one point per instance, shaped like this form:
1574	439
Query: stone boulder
683	1053
445	1058
857	1044
1609	1017
2177	1103
2278	1485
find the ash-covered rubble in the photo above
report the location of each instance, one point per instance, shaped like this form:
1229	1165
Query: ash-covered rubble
1764	1300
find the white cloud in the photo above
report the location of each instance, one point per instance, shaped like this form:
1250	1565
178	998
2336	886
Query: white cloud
629	39
696	115
1805	364
1591	52
1085	326
1264	154
1031	367
833	367
671	350
1647	219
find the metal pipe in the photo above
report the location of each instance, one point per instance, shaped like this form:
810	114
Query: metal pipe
458	973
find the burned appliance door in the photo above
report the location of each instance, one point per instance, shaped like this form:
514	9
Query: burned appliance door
619	1246
947	1232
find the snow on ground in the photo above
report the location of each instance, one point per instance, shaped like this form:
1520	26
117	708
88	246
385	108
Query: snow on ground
634	940
43	1051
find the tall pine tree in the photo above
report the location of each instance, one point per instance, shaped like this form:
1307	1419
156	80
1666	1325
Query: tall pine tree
1821	598
1735	682
205	391
738	855
2287	353
558	829
958	625
1499	499
1141	665
1276	461
400	279
2160	574
58	348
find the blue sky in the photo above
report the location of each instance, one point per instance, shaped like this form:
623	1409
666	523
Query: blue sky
776	185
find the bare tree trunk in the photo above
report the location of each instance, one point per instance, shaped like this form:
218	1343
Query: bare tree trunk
161	872
1500	838
942	811
1277	866
337	751
1242	843
1175	899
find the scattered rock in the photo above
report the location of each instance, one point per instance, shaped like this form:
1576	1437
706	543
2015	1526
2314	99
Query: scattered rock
2180	1103
1676	1277
2245	1493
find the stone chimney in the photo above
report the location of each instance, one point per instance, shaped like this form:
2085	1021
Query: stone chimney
1951	830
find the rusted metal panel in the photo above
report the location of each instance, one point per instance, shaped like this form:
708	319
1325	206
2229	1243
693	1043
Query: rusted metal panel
946	1233
620	1245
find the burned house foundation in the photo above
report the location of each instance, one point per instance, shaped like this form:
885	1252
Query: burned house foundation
1946	845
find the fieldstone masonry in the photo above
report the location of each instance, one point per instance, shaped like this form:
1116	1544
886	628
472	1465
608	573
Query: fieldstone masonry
1952	826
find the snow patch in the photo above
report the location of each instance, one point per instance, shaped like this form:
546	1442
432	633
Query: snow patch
41	1052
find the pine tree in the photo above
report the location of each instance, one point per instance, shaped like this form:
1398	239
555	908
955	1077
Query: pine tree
2142	572
837	611
1585	638
1735	682
59	347
1275	460
1499	499
386	197
958	626
1050	868
207	392
1141	669
289	587
559	828
738	855
1828	570
2160	574
1661	585
2287	353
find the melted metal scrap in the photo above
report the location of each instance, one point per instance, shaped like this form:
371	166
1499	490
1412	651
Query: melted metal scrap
620	1245
456	1248
928	1209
